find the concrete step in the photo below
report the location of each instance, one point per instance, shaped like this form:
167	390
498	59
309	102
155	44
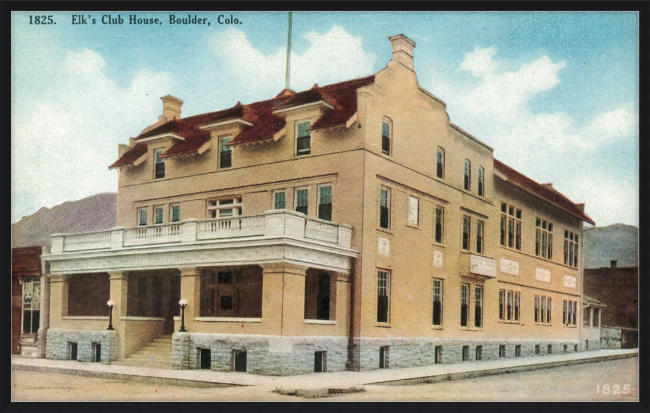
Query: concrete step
149	364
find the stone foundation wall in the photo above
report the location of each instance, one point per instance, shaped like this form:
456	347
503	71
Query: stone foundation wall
610	337
58	344
404	352
267	355
273	355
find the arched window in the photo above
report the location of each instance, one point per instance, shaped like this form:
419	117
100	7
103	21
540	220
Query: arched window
468	174
440	163
386	136
481	181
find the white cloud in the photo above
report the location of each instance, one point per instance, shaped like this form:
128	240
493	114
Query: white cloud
549	146
331	57
63	144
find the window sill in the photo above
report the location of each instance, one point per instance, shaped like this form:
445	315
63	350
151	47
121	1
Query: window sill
570	326
437	328
325	322
414	226
135	318
84	317
544	324
382	325
224	319
385	231
509	322
438	244
473	329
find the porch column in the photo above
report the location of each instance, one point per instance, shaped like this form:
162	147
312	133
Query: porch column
283	298
191	291
45	315
119	292
600	316
342	300
591	316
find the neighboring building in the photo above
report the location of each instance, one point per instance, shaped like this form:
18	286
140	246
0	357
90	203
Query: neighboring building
592	311
25	300
347	227
618	288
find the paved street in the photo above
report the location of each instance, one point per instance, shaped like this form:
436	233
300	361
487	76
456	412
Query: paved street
603	381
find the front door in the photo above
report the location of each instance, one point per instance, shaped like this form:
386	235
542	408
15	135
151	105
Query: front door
171	296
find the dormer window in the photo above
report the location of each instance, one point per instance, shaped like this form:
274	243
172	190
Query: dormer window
386	134
225	153
303	140
159	164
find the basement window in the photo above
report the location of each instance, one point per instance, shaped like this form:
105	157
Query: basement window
239	360
320	361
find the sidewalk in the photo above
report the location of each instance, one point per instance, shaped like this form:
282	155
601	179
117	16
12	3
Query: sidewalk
318	382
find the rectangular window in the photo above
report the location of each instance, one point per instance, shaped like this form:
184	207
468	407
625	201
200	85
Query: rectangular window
518	350
225	153
175	212
550	349
480	236
569	312
465	353
385	137
383	357
239	360
543	238
437	302
570	249
548	310
413	215
537	308
303	141
325	202
142	216
502	350
438	355
510	226
481	181
537	348
464	304
440	224
468	175
159	164
158	214
517	305
384	208
596	317
205	358
320	359
279	200
383	295
440	163
225	208
467	223
302	200
478	307
479	352
502	304
509	305
31	305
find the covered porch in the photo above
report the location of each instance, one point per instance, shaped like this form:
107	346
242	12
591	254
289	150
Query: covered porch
287	276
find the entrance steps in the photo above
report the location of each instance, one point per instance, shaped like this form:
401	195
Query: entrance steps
156	354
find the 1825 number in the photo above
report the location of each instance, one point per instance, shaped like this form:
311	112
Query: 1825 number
41	20
613	389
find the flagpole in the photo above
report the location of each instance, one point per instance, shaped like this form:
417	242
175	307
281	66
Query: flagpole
288	71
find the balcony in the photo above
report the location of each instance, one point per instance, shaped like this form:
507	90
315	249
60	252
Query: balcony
471	264
227	241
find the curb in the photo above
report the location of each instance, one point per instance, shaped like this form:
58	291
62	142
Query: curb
125	377
496	371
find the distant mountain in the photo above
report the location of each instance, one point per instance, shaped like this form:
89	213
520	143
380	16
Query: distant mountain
94	213
614	242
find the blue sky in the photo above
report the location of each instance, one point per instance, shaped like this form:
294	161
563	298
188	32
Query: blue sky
556	94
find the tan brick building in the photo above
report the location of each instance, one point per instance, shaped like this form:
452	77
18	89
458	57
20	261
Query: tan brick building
349	226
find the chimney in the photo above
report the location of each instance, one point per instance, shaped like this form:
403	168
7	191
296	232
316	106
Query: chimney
403	50
613	264
548	185
581	206
171	108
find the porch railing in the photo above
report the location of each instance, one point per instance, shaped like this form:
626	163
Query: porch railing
272	223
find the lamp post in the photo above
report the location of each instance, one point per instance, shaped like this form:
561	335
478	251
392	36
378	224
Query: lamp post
183	304
110	305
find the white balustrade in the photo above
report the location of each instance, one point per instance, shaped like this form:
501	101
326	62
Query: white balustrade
87	241
159	234
274	223
230	227
322	231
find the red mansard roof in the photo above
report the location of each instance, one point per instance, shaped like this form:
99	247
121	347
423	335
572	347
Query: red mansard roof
26	262
542	191
342	96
